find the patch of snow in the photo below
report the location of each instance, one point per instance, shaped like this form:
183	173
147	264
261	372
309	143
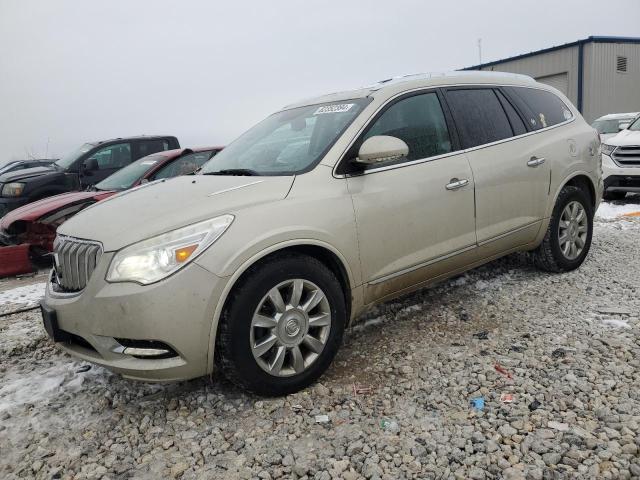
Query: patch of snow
616	323
27	295
614	210
41	385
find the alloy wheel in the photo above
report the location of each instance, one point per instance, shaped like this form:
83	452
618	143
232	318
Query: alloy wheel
573	230
290	327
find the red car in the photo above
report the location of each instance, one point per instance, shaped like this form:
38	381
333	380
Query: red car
29	231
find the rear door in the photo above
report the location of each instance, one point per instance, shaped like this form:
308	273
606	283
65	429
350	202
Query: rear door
509	168
415	214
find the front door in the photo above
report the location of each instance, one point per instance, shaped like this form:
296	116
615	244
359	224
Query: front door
413	214
108	160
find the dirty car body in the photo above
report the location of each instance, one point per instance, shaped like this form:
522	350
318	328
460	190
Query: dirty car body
256	266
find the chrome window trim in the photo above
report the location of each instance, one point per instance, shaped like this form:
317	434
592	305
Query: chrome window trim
438	157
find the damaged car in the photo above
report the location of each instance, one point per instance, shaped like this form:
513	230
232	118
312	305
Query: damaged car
31	229
89	164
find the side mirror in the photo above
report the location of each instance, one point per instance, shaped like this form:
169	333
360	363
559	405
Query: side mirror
143	181
381	148
623	126
90	164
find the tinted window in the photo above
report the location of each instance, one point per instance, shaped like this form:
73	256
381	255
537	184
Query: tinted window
479	116
113	156
147	147
183	165
419	121
517	124
546	109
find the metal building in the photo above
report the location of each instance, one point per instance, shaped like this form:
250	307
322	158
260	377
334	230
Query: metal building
599	75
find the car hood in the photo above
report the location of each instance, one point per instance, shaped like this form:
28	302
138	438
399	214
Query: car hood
624	138
35	210
152	209
19	175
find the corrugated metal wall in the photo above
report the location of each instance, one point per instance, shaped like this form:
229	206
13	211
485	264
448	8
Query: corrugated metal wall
605	90
557	62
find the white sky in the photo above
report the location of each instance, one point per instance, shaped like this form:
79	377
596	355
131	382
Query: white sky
75	71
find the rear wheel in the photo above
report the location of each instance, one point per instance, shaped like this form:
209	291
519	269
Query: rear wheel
282	326
568	237
614	195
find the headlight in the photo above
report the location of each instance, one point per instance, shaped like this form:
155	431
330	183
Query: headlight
607	149
13	189
158	257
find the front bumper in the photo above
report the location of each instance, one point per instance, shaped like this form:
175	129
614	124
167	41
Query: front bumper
619	179
10	203
178	312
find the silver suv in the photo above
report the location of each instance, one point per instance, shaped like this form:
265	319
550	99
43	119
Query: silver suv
256	266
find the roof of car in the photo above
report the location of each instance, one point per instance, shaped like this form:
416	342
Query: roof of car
137	137
420	80
616	116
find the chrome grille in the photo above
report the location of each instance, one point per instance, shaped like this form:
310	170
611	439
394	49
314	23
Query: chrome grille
75	261
627	156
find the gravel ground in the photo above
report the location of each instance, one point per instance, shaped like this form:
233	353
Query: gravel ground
554	358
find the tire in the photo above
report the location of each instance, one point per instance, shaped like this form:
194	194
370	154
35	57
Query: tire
549	255
614	195
240	338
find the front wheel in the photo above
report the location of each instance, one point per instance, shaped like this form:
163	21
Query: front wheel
282	325
568	237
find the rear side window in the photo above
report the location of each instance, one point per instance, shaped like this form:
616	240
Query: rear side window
517	124
147	147
545	109
479	116
419	121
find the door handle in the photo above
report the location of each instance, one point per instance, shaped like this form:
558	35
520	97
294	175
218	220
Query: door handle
455	184
535	161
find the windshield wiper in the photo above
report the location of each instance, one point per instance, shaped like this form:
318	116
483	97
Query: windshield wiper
234	171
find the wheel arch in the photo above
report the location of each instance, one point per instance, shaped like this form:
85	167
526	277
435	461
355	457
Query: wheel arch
325	253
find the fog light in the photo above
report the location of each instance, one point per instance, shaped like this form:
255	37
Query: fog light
145	352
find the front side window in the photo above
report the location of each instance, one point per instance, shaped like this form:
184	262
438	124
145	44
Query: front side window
184	165
479	116
418	121
288	142
545	108
113	156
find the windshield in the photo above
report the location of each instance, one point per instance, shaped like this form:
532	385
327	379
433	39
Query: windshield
127	176
69	159
7	167
635	126
288	142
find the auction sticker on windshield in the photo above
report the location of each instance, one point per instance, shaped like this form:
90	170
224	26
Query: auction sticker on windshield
342	107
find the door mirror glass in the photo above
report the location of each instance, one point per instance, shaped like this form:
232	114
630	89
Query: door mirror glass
90	164
382	148
623	126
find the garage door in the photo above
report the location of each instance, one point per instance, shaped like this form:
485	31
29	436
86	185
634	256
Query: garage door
559	81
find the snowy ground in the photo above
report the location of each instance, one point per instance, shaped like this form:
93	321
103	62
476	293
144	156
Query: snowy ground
397	396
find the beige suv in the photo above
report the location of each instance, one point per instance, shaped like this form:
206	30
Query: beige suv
256	265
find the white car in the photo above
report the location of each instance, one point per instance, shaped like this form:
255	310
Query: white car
255	266
610	125
621	163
